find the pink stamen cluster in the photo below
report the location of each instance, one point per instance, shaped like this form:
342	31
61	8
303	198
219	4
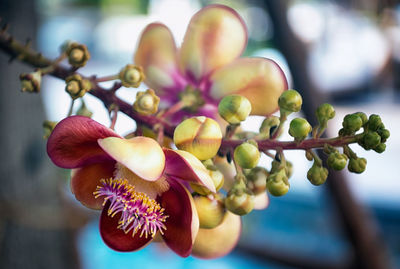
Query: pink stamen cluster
138	211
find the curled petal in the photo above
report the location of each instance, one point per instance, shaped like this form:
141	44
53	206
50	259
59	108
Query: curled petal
84	181
116	238
219	241
260	80
215	37
261	201
142	155
183	222
183	165
73	142
156	54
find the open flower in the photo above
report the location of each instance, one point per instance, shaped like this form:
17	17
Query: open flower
141	184
208	64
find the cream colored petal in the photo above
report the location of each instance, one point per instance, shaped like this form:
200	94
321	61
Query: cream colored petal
261	201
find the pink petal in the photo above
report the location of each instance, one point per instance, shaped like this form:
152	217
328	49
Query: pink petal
117	239
219	241
73	142
183	165
84	181
182	222
260	80
215	36
142	155
156	54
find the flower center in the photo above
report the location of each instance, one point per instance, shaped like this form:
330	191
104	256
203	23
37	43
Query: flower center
138	211
191	98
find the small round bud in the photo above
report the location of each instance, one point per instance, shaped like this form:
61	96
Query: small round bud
317	175
234	108
357	165
31	82
380	148
290	100
374	122
76	86
268	125
324	113
352	123
277	183
131	76
239	201
257	180
299	128
84	111
337	161
200	136
217	178
146	103
246	155
370	140
48	127
210	210
77	54
362	116
384	134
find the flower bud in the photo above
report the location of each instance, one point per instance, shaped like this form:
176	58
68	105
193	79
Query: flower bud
277	183
210	210
290	100
380	148
200	136
324	113
146	103
234	108
352	123
84	111
77	54
362	116
370	140
317	174
246	155
131	76
299	128
268	125
357	165
337	161
77	86
217	178
384	134
31	82
374	122
257	180
239	201
48	127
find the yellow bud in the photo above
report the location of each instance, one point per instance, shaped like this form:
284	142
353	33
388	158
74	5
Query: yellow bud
77	54
247	155
131	76
218	180
210	210
257	180
76	86
239	202
200	136
146	102
234	108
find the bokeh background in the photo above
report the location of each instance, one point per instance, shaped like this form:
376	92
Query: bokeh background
346	52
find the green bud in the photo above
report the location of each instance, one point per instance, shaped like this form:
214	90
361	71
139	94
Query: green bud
268	125
324	113
370	140
257	180
337	161
48	127
234	108
239	201
77	54
146	103
290	100
276	165
299	128
131	76
76	86
384	134
246	155
374	122
210	211
380	148
317	175
357	165
352	123
277	183
362	116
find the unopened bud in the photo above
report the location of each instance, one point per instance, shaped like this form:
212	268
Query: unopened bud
357	165
374	122
317	174
380	148
146	103
31	82
337	161
84	111
384	134
268	125
299	128
277	183
131	76
210	210
290	101
352	123
257	180
77	54
239	201
200	136
324	113
76	86
234	108
370	140
246	155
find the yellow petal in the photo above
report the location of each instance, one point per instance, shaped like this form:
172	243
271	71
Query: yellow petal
156	54
217	242
142	155
215	37
260	80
